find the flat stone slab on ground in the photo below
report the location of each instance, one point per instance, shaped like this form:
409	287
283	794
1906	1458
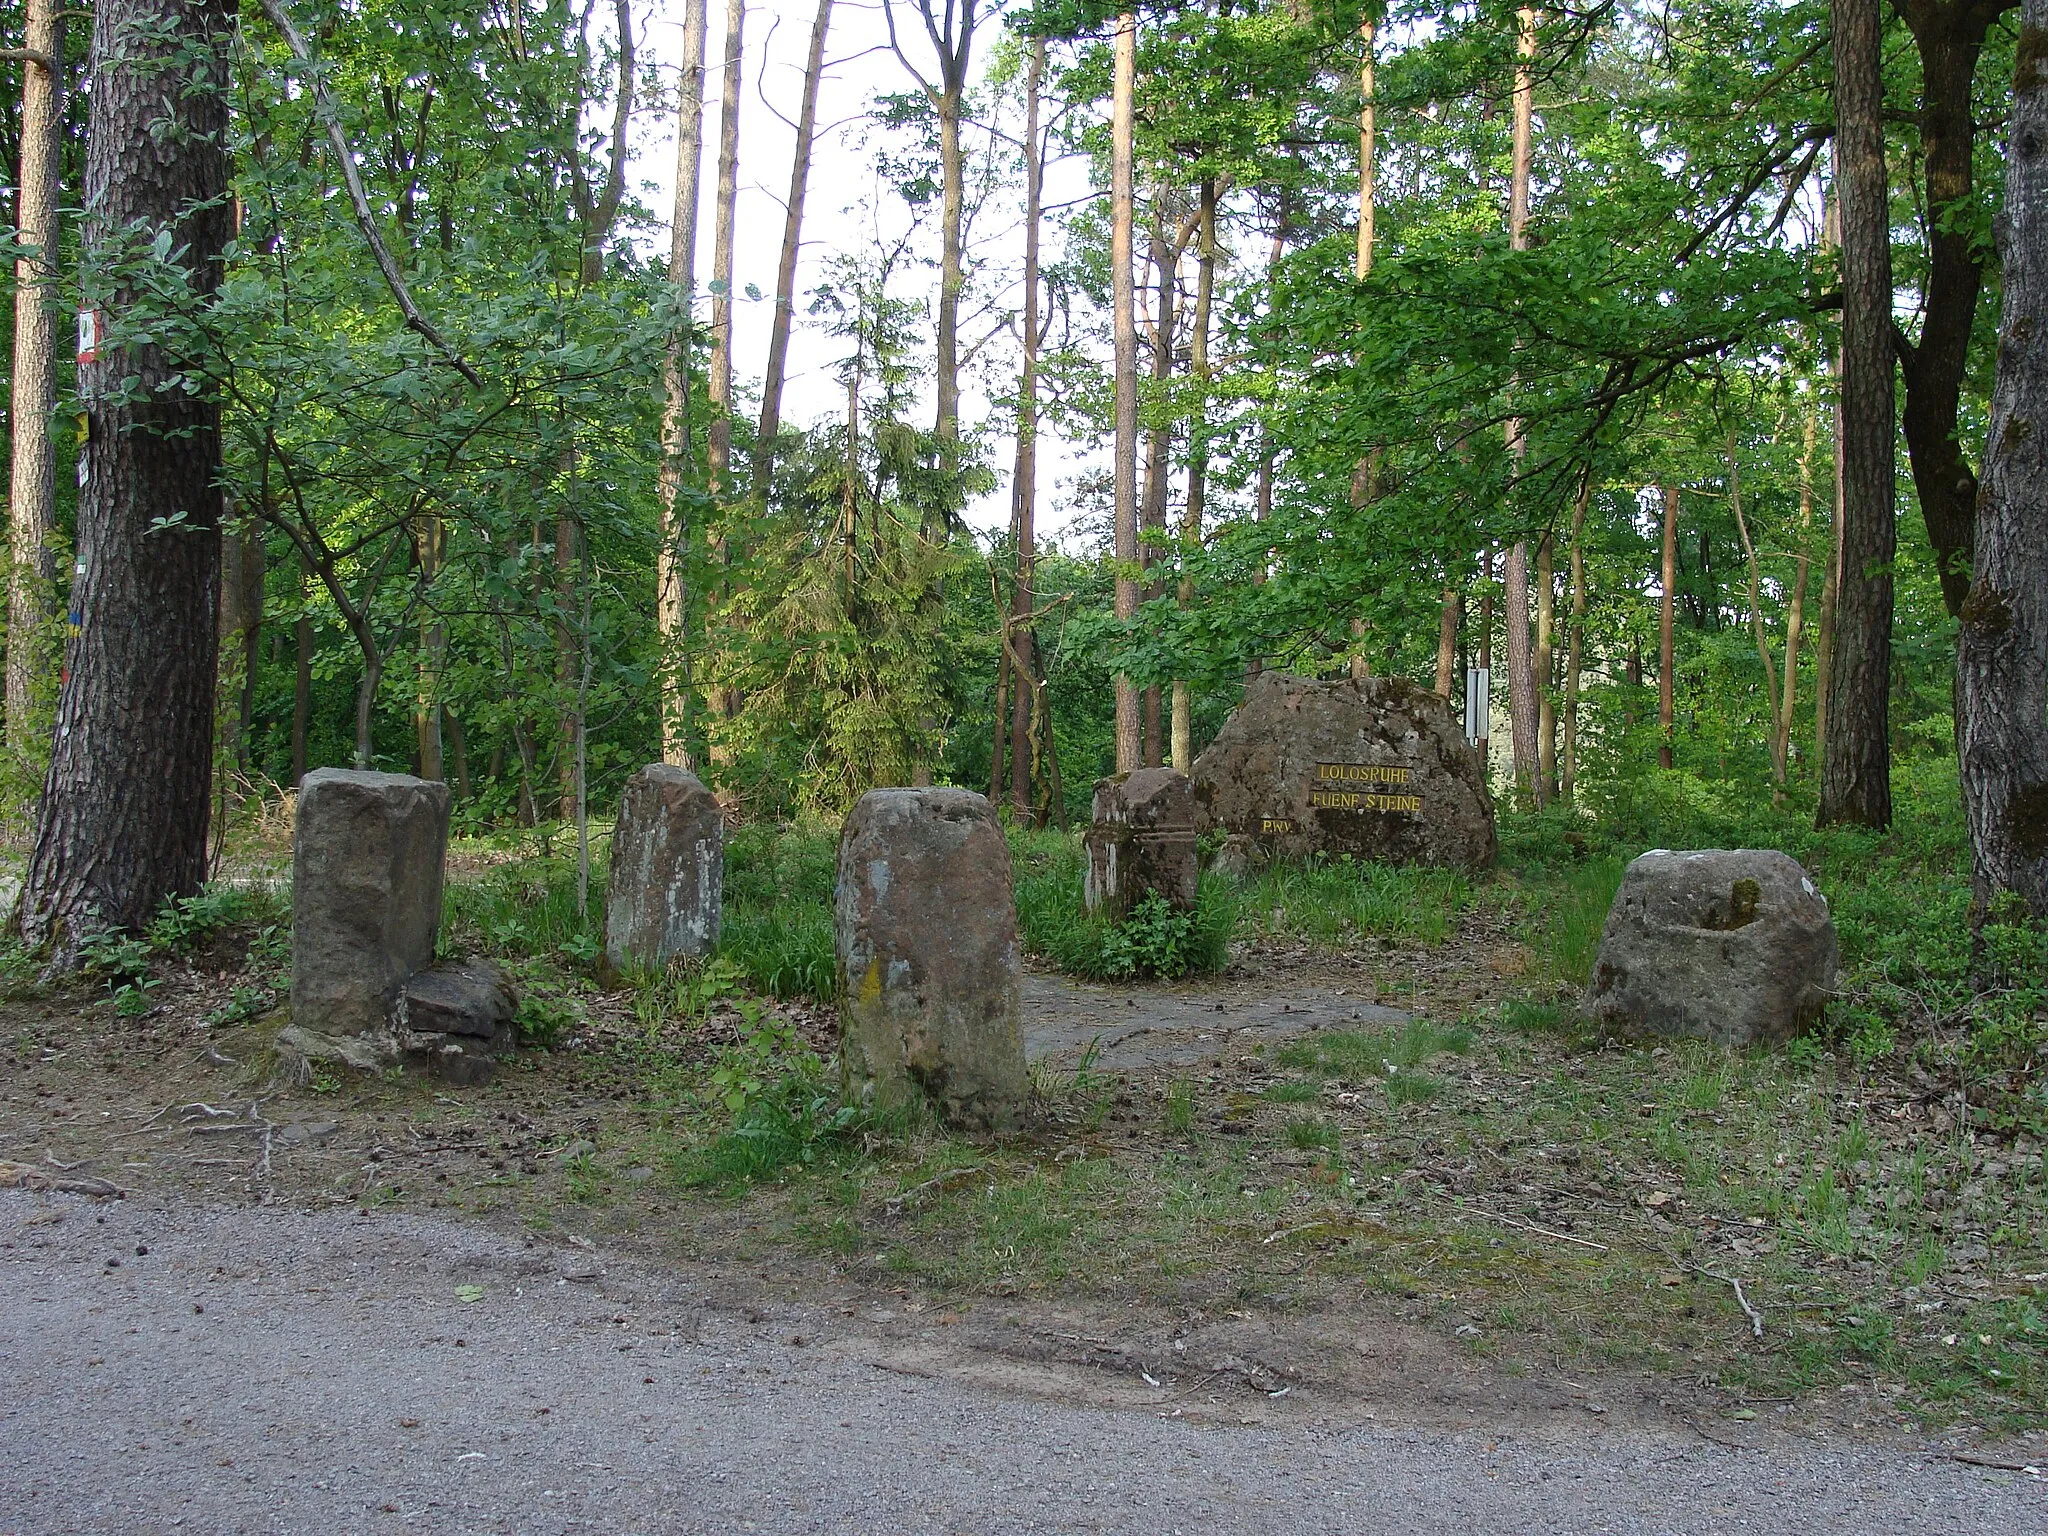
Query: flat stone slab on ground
1168	1026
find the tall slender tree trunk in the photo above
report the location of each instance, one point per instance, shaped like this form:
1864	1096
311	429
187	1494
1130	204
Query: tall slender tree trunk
785	272
672	557
32	507
1795	614
1756	612
718	385
1024	488
1856	768
1129	743
1198	451
433	652
1830	588
1448	615
1515	568
1262	493
2002	666
952	271
1166	274
719	451
1365	485
241	633
1545	666
1949	36
125	801
1575	641
302	682
1666	666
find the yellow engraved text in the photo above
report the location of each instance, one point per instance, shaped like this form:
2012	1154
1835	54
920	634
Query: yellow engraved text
1363	773
1361	800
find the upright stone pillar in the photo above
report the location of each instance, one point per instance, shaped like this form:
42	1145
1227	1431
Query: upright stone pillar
367	854
668	871
1142	842
928	957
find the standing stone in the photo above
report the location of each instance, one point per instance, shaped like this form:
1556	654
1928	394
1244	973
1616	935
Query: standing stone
1733	945
668	871
367	853
1374	767
1143	841
928	957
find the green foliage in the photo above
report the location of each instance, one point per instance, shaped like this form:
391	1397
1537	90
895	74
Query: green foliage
782	1114
527	908
777	925
1334	901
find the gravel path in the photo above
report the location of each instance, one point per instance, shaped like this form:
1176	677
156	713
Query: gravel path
265	1371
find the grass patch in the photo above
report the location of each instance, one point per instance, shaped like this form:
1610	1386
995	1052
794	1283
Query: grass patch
1152	941
1335	901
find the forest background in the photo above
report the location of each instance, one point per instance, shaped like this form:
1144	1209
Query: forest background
1345	439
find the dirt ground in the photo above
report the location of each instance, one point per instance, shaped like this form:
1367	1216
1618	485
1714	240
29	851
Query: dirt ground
183	1105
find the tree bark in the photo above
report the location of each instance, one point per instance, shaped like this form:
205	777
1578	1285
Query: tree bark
1756	611
1198	450
785	271
1125	380
1447	641
1575	643
241	632
2002	664
1515	568
1165	263
1024	490
719	385
1545	665
125	802
671	558
1856	767
33	507
1950	36
1666	694
433	651
302	683
1795	614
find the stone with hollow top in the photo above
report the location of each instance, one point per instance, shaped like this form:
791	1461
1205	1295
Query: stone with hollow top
928	961
1733	945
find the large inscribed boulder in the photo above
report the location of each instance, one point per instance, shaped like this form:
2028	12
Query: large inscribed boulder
1374	767
1733	945
367	854
928	958
668	871
1142	842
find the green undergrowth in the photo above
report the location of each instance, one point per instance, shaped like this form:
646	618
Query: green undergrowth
1152	941
1333	902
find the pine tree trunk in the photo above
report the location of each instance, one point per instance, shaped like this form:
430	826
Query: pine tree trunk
1515	568
952	210
1024	489
1129	744
1448	616
1856	767
1198	452
32	508
671	582
1546	664
1575	643
719	453
2002	665
302	684
1666	693
1152	519
125	802
1795	614
785	271
1756	612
